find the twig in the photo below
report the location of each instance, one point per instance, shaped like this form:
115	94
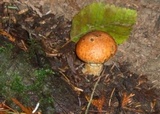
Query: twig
90	100
69	82
65	44
110	99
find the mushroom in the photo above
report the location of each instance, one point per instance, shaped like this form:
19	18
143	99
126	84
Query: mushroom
95	48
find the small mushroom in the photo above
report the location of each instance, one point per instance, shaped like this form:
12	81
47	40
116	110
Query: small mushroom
95	48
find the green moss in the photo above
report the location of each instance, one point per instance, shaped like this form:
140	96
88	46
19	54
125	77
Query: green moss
21	80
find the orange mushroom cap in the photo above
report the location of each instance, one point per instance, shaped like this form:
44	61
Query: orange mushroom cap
96	47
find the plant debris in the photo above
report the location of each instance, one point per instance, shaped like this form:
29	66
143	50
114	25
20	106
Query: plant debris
117	91
7	109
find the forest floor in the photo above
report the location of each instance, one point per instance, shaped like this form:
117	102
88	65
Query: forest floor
40	64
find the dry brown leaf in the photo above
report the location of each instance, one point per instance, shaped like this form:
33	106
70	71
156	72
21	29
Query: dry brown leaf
97	102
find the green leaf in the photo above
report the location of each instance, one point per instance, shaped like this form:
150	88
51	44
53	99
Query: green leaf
116	21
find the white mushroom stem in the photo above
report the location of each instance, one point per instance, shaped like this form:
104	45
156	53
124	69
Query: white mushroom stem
92	69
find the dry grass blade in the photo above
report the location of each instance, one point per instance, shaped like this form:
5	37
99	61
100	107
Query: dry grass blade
5	108
23	108
109	104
